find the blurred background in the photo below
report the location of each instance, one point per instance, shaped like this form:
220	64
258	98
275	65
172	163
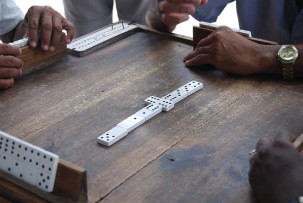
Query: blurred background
228	17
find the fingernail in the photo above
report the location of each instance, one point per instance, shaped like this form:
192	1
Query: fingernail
52	48
20	71
33	44
45	47
68	41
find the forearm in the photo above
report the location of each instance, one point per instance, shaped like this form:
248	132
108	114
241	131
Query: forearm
153	18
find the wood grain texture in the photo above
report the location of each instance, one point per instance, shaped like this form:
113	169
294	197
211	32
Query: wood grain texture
197	152
35	58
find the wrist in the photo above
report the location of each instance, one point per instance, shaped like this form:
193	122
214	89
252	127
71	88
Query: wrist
267	60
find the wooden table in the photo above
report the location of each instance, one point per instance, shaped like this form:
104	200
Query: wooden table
197	152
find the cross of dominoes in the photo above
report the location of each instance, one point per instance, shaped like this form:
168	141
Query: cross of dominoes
154	106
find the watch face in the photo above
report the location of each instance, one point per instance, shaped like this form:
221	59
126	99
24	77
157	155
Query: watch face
288	53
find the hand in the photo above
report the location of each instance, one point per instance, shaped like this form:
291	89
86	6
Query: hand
276	170
10	66
233	53
174	12
47	23
164	15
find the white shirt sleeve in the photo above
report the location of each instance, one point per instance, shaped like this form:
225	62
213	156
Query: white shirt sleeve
10	16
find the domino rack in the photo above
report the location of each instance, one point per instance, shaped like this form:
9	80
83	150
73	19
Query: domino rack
23	165
205	29
36	58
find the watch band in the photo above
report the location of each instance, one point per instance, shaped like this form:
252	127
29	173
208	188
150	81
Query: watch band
288	71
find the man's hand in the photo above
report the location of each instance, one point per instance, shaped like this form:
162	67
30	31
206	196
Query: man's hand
276	170
233	53
164	15
10	66
174	12
48	24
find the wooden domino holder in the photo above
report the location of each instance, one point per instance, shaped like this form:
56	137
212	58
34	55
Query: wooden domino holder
35	58
70	186
200	32
298	143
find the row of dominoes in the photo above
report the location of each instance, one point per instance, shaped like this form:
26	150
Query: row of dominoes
21	42
27	162
82	45
154	106
214	26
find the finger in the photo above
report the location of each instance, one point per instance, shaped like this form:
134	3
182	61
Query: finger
173	19
282	139
32	18
166	7
8	73
70	29
6	49
263	146
24	28
198	60
6	83
10	62
202	2
56	33
206	41
46	28
196	52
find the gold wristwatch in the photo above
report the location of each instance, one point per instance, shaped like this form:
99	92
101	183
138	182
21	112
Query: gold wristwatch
288	55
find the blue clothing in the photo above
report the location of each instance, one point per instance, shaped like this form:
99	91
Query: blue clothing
273	20
10	16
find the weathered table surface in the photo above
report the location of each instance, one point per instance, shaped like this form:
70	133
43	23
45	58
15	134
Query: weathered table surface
197	152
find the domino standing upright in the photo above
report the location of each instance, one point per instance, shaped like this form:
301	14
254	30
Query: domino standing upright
27	162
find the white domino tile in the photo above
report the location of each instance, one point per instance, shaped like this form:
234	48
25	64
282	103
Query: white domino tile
191	87
152	100
165	103
149	111
112	136
176	96
27	162
131	122
155	105
21	42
